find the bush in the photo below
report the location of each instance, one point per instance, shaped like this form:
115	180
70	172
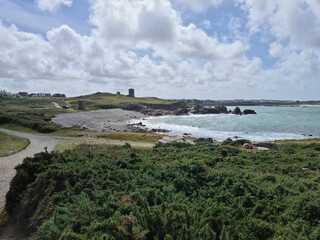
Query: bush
176	192
47	128
5	119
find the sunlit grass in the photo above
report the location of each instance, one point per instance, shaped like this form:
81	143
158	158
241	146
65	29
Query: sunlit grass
11	144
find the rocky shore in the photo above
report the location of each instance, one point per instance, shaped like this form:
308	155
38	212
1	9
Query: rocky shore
183	109
118	120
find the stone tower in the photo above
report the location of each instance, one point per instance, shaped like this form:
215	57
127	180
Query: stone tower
131	92
82	105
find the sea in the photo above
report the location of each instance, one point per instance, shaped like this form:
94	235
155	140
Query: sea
270	123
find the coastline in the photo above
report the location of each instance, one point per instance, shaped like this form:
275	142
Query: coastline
118	120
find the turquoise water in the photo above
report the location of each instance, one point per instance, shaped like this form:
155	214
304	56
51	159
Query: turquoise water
270	123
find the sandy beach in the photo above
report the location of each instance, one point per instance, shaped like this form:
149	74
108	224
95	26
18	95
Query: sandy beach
110	120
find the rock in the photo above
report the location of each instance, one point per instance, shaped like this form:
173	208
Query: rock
248	111
216	110
204	140
221	109
168	140
269	145
247	146
180	111
237	111
190	141
263	149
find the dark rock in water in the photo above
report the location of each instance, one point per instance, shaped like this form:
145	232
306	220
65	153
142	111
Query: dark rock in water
237	111
266	145
221	109
216	110
204	140
248	111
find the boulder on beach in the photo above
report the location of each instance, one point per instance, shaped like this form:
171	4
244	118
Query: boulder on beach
168	140
269	145
247	146
263	149
248	111
237	111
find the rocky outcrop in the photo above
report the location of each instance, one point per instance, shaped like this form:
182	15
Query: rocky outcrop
248	111
237	111
215	110
181	108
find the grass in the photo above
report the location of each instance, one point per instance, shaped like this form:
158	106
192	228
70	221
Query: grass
139	137
17	128
71	143
299	141
11	144
107	98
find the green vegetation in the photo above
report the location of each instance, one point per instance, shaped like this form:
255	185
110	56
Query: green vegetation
237	143
176	192
32	113
11	144
139	137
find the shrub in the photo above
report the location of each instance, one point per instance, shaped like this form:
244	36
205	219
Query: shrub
47	128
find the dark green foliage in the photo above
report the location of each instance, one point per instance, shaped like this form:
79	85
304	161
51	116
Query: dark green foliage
46	128
238	142
176	192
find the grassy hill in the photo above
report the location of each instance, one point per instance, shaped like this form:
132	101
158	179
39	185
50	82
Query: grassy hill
36	113
108	100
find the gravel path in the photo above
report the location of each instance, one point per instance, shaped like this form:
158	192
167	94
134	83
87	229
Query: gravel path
56	105
109	120
7	171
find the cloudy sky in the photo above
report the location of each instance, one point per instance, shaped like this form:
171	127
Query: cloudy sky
206	49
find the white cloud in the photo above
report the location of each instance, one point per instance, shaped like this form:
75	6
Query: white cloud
155	24
196	5
296	21
144	43
52	5
206	23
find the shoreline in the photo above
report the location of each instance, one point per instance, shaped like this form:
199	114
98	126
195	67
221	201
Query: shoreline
118	120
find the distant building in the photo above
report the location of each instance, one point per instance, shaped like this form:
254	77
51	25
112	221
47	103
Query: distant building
131	92
23	95
118	93
3	93
58	95
35	95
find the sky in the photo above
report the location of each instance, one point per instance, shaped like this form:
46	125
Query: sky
204	49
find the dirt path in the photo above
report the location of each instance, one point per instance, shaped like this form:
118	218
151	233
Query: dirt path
56	105
7	164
